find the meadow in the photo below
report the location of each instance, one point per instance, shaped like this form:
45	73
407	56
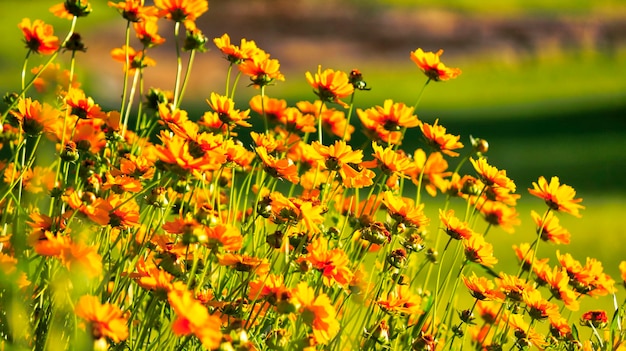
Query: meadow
176	217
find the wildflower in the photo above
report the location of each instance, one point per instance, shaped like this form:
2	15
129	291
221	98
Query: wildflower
282	168
589	279
105	320
134	10
195	40
96	209
454	227
147	32
237	54
402	210
136	59
558	282
245	263
193	318
525	335
150	277
39	37
262	70
479	251
538	307
333	264
497	213
82	106
491	176
316	312
390	161
513	287
71	8
269	288
224	107
482	288
525	254
595	318
53	79
186	11
401	301
432	171
558	197
437	138
339	157
560	328
35	118
125	213
432	67
272	109
550	228
385	122
330	85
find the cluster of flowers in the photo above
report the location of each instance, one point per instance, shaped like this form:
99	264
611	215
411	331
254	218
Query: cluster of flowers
175	235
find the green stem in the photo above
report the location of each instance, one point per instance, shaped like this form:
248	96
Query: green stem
419	97
179	64
186	78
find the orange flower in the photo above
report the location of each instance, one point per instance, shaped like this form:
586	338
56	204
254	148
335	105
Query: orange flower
316	312
437	138
479	251
333	264
262	70
589	279
237	54
245	263
281	169
225	236
81	106
454	227
125	213
432	170
595	318
491	176
35	118
512	286
134	10
550	228
432	67
384	123
105	320
270	288
330	85
525	334
401	301
186	11
224	107
193	318
150	277
390	161
333	120
71	8
538	307
147	32
402	210
560	328
497	213
339	157
273	109
39	37
136	59
53	79
525	254
558	282
482	288
559	197
622	270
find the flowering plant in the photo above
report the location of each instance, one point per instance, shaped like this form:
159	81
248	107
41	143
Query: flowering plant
144	227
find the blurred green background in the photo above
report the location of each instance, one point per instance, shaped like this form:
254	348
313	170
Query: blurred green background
543	81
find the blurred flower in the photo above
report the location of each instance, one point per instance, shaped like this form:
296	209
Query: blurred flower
432	67
35	118
186	11
134	10
499	214
71	8
39	37
479	251
454	227
482	288
245	263
316	311
437	138
237	54
550	228
400	300
559	197
538	307
136	59
432	171
147	32
104	320
491	176
596	318
332	264
193	318
330	85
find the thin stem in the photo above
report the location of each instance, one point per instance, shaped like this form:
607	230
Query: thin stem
187	75
179	64
419	97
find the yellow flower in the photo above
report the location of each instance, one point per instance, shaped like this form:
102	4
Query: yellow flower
432	67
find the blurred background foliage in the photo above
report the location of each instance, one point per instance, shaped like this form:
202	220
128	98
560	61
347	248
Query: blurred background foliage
543	81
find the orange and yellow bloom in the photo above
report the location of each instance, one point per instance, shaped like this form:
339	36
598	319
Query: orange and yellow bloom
432	66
